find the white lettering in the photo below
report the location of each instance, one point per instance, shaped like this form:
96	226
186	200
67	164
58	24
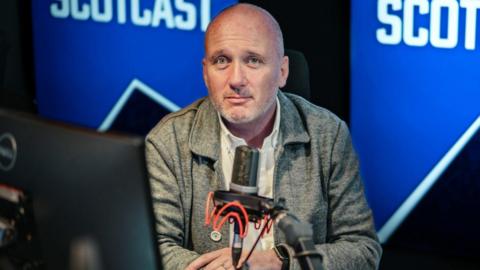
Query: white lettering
163	11
138	19
205	14
180	14
78	13
60	12
107	14
402	27
121	12
435	24
409	22
395	22
471	7
187	23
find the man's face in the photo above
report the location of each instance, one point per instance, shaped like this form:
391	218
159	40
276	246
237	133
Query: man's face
242	69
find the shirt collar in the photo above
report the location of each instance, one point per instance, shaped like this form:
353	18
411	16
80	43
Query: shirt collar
204	137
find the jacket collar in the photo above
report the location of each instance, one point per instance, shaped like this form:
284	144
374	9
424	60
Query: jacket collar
205	133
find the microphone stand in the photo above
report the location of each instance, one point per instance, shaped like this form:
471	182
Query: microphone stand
299	236
237	245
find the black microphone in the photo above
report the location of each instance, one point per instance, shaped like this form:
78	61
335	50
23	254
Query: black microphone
244	190
243	187
299	236
244	173
244	181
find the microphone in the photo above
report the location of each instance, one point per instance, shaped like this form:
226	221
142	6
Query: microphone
244	173
299	236
243	187
242	201
244	181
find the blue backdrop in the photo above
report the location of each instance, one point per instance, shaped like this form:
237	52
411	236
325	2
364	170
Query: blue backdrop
415	91
414	79
90	53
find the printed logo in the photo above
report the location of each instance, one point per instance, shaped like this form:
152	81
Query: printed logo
8	151
441	23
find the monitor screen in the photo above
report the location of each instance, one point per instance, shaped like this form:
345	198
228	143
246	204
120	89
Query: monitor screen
89	191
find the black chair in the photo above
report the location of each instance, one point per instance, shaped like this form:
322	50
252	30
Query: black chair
3	56
298	81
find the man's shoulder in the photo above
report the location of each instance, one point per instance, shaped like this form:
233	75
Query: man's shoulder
314	115
175	122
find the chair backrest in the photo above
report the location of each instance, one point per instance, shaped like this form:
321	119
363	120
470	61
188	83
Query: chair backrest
3	57
298	81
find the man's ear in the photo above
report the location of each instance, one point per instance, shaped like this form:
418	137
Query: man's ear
284	70
204	70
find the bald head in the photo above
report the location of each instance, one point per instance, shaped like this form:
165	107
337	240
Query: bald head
244	67
248	16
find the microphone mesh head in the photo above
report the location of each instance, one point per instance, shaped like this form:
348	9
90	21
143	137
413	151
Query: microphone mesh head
245	166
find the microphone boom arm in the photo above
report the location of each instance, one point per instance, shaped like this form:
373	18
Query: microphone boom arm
299	236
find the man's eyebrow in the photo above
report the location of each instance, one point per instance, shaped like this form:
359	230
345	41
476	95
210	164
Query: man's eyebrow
252	53
257	55
216	54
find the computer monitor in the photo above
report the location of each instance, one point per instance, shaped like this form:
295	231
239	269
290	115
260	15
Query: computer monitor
83	185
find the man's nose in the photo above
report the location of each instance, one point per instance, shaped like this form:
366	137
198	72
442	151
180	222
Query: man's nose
237	77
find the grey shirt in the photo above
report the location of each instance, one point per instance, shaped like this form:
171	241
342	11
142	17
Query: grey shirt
316	171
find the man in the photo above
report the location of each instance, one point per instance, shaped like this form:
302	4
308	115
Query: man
306	156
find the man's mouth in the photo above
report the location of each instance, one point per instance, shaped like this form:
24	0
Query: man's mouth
237	99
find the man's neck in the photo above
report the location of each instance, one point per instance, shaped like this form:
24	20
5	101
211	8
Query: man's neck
255	132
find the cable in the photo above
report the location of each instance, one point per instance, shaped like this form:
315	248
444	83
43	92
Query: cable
238	215
264	229
216	215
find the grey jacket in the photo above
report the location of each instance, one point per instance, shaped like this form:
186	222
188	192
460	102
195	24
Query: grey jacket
316	172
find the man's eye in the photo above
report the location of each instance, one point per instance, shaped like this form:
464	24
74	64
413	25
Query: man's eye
221	61
254	61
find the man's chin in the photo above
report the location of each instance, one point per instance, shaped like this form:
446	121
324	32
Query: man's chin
236	119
